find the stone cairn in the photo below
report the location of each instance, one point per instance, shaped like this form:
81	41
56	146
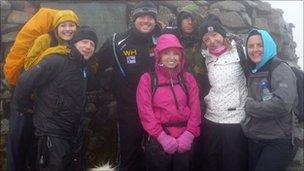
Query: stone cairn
237	16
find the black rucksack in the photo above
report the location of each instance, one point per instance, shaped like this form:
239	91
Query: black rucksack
181	82
300	76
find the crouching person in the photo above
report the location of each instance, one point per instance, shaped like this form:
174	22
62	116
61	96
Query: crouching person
59	82
169	108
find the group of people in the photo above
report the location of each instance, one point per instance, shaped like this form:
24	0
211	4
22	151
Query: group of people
188	97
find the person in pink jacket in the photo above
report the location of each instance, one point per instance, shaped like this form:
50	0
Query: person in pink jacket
170	115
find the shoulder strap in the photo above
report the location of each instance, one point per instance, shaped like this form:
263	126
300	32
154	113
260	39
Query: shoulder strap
274	63
154	82
116	57
181	81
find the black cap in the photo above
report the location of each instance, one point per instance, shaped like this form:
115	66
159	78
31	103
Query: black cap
212	23
85	32
144	7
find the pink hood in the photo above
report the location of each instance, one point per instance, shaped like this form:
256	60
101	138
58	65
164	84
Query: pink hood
166	41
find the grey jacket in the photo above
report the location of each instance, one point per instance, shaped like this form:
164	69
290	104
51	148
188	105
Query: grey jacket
270	119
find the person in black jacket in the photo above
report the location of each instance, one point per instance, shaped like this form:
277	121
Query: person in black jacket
59	83
133	56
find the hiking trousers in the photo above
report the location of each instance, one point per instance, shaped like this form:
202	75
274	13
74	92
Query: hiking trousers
270	155
224	147
158	159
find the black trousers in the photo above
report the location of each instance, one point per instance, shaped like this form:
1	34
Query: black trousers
224	147
158	159
57	154
130	147
270	155
22	143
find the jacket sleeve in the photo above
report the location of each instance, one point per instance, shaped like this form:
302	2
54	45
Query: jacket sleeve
34	78
145	109
194	121
105	59
284	89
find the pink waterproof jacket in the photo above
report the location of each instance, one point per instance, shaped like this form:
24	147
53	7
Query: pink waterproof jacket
158	111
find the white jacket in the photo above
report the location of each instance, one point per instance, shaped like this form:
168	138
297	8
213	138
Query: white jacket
228	93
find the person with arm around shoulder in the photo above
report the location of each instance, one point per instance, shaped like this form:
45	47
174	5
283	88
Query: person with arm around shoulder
224	145
170	112
130	54
268	122
59	82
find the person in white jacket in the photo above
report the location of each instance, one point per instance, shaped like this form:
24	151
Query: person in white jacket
223	144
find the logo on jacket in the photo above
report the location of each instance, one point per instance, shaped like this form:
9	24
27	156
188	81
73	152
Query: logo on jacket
130	54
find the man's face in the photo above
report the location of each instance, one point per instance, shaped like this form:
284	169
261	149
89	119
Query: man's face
145	23
187	25
86	47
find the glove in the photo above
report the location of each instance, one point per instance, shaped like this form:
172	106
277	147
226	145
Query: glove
168	143
185	142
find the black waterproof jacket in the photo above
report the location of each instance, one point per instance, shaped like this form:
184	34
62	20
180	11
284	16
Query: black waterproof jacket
135	55
59	85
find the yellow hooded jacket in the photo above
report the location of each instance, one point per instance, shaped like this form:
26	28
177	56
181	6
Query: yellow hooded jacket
39	24
42	44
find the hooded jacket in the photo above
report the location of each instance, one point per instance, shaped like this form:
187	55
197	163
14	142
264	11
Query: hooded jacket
160	109
228	92
59	83
269	119
43	42
135	53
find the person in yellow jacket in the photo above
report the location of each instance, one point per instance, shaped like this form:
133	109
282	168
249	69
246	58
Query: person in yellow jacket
63	26
22	143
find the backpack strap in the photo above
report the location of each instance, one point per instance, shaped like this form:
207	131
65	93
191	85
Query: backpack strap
116	57
274	63
154	82
181	81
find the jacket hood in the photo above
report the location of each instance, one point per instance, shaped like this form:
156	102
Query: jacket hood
269	46
191	10
166	41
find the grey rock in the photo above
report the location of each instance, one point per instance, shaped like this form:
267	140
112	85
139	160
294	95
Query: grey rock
232	20
4	126
261	23
9	27
251	4
18	17
4	14
5	5
246	18
9	37
263	6
18	5
229	5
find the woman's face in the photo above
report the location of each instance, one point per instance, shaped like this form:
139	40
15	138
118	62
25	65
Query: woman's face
255	48
170	58
66	30
213	40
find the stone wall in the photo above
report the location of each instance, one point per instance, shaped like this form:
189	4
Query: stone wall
112	16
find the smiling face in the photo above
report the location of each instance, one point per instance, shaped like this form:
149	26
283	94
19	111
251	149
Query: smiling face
213	40
86	47
187	25
255	48
170	58
145	23
66	30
